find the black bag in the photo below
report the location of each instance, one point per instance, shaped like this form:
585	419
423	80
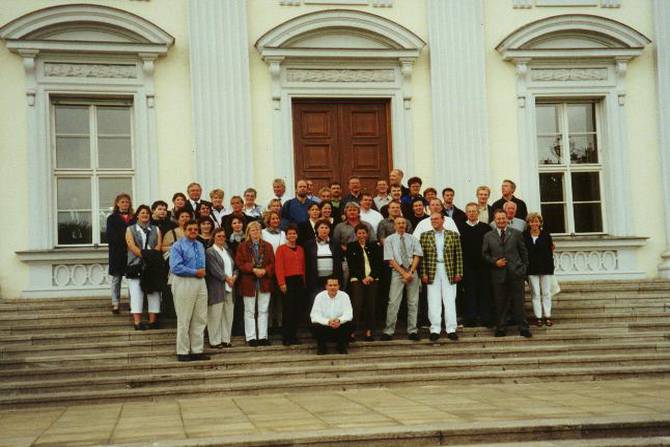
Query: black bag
135	271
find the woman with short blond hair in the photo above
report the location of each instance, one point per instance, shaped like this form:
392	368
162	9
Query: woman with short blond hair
540	268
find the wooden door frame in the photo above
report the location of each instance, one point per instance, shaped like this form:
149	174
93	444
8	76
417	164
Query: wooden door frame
345	100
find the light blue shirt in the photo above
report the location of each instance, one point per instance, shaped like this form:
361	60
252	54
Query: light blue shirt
186	257
439	245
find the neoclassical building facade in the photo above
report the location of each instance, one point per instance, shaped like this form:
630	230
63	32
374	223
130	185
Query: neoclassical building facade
569	98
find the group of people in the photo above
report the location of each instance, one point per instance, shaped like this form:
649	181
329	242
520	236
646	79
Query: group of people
329	261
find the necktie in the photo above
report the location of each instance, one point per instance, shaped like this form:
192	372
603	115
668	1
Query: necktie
502	236
403	252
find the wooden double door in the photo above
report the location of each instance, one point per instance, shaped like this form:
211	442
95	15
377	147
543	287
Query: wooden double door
336	138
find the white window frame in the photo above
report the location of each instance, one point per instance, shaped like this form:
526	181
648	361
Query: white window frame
566	167
93	173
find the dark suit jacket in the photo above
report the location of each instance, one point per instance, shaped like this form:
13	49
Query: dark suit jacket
521	209
513	249
458	216
491	216
305	232
356	262
115	232
540	256
311	266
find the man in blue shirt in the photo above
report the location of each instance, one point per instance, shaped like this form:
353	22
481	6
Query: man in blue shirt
187	264
295	210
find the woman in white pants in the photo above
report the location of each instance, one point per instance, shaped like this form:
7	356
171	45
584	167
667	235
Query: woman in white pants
255	259
140	237
220	278
541	267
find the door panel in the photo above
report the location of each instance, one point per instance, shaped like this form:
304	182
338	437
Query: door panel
334	139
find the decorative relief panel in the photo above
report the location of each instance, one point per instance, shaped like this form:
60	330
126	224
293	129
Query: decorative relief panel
343	75
586	261
79	275
109	71
569	74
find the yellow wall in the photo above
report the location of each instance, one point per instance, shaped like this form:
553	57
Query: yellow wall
173	108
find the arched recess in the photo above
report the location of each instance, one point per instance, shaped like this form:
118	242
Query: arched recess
573	57
84	53
340	53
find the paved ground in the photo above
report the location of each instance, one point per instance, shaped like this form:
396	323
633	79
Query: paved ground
331	412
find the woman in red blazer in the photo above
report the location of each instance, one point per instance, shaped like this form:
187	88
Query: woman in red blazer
290	270
255	260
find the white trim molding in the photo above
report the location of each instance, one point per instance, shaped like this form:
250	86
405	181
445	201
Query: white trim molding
573	56
374	58
83	51
597	258
662	22
221	93
458	94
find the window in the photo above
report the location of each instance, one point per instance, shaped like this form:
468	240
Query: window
569	166
93	162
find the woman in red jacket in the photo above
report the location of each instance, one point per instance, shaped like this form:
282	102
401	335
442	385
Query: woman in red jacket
290	271
255	260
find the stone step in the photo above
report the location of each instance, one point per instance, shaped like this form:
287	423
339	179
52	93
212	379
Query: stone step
108	364
641	441
23	351
68	353
278	384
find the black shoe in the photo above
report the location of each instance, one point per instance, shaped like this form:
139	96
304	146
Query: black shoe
386	337
183	358
434	336
321	350
141	326
227	345
453	336
525	333
414	336
264	342
500	333
252	343
115	310
369	338
200	356
219	346
342	349
154	325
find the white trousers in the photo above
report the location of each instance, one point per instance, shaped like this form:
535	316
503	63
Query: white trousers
540	289
137	298
220	320
441	292
262	300
190	305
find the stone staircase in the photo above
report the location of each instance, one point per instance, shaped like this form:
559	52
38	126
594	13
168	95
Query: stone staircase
71	351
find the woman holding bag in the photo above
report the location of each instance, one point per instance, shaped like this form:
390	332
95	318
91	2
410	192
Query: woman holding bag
140	238
220	279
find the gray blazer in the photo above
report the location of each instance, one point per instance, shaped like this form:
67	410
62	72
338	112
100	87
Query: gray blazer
514	250
216	276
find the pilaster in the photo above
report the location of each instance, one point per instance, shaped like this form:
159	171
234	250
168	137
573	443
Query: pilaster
221	94
458	88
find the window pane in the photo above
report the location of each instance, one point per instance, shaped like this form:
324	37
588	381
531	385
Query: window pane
74	194
583	149
113	120
549	150
585	186
554	218
114	153
72	119
73	152
74	227
109	188
546	117
551	187
588	218
581	118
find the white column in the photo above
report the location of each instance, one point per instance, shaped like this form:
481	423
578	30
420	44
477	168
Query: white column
221	94
458	91
662	19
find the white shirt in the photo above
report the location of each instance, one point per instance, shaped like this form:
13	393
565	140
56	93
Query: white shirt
218	215
326	308
439	245
227	264
372	217
425	225
380	201
274	239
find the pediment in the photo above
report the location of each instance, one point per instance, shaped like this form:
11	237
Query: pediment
86	32
572	40
340	38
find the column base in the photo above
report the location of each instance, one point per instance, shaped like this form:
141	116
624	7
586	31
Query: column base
664	266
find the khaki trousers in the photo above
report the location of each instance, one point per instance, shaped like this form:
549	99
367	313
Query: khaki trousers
220	320
190	303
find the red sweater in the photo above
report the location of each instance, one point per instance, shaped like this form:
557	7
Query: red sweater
289	262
